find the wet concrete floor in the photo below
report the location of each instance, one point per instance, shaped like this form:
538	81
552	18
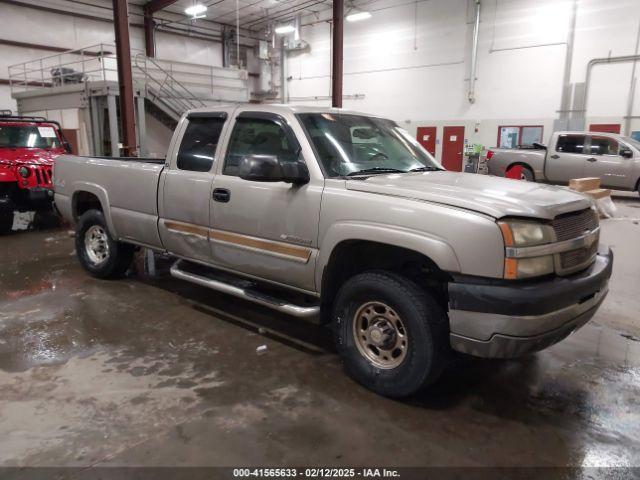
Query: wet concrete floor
157	372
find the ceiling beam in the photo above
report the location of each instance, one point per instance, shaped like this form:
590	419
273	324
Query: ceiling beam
154	5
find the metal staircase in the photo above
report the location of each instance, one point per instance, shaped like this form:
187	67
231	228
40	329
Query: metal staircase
162	89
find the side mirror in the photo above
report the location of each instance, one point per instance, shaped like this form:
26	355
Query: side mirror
269	168
67	147
626	153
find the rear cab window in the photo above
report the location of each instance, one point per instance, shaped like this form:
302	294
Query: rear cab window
570	143
200	142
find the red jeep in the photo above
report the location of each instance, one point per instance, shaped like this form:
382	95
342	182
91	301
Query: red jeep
28	146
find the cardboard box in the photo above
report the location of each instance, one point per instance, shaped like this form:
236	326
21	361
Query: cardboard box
598	193
584	184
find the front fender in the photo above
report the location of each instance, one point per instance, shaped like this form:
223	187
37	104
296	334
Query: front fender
439	251
8	175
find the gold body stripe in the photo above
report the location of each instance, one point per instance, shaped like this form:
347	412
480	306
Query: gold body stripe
188	228
279	248
295	252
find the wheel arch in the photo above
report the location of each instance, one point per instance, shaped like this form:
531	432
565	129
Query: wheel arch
87	196
425	260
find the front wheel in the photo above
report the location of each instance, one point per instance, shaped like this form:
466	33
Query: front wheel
392	335
6	215
99	254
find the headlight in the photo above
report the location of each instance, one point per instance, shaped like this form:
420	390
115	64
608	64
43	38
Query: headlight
24	172
516	268
522	233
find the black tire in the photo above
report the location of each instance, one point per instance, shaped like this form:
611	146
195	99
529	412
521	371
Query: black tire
118	255
6	215
425	323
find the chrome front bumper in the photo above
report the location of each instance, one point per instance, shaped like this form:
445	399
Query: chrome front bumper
504	320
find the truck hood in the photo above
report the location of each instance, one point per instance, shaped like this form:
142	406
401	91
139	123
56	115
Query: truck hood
29	156
494	196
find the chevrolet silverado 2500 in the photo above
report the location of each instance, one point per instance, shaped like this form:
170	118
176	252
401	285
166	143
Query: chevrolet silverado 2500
346	218
613	158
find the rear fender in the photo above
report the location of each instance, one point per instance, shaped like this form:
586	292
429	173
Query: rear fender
103	197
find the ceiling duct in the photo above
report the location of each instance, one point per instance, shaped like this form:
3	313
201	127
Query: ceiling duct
293	42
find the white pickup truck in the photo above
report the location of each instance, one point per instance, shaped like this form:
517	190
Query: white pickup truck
344	217
613	158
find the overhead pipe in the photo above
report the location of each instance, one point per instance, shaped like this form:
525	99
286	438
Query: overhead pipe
471	95
337	53
598	61
565	99
632	89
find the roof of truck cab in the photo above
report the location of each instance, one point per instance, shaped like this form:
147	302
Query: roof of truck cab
280	108
576	132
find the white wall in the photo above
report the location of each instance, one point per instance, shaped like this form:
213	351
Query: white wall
65	31
58	30
411	62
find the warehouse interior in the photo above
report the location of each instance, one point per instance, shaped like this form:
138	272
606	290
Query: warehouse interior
151	371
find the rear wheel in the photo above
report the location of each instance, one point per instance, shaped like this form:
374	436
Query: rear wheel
99	254
391	334
527	174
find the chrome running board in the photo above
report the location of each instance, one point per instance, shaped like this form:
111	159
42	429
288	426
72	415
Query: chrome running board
242	289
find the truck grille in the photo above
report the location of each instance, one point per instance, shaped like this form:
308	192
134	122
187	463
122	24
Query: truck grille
42	175
574	224
575	258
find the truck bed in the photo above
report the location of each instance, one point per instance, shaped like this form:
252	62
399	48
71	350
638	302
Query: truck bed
128	185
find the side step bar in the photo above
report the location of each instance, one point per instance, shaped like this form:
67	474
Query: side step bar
243	290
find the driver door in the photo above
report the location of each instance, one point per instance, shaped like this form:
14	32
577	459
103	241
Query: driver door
265	229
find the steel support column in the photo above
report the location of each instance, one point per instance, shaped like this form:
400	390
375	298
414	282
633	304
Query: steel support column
337	49
125	78
114	137
149	9
149	34
142	125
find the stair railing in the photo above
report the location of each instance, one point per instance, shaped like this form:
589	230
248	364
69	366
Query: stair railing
161	86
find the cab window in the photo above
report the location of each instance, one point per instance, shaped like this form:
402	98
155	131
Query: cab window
570	144
199	143
258	136
603	146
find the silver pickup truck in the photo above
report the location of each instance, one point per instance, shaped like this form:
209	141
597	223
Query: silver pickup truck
344	217
613	158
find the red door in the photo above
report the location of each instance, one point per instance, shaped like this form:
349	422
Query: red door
452	148
427	138
605	127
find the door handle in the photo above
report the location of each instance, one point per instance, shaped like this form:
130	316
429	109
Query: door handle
221	195
591	159
555	157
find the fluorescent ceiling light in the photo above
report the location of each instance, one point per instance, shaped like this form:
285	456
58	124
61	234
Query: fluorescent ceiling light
285	29
196	11
357	16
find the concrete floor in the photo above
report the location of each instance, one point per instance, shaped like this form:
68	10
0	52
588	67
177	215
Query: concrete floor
156	372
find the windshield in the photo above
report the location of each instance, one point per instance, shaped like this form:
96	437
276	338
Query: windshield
21	136
635	143
353	144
